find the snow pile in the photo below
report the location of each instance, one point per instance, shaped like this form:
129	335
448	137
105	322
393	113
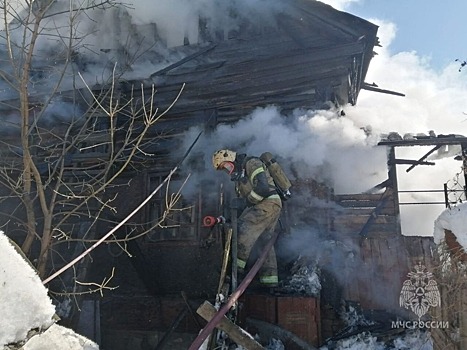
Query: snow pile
416	339
354	317
59	338
304	282
24	301
454	220
26	310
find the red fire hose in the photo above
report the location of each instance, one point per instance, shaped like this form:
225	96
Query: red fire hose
234	296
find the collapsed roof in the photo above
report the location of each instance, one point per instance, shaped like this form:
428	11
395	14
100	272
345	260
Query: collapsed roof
231	59
302	54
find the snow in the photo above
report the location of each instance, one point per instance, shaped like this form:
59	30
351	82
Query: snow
416	339
26	311
58	337
454	220
305	282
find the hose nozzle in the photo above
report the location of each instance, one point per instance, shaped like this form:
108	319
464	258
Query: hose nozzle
210	221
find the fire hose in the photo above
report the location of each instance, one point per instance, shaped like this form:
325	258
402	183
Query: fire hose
234	296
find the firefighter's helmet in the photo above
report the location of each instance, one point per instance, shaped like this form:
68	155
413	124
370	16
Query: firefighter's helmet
223	155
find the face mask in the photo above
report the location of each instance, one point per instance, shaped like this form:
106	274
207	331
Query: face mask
228	167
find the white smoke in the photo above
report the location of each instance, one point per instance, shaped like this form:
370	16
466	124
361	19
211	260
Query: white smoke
312	144
339	4
177	19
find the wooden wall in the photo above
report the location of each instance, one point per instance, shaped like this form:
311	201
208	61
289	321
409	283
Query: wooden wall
370	225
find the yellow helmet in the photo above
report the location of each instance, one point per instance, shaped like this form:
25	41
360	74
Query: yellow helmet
223	155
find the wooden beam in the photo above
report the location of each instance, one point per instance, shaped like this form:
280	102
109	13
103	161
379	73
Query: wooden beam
237	334
384	198
428	141
182	61
370	87
413	162
424	157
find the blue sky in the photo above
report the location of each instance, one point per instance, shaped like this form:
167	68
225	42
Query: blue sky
433	28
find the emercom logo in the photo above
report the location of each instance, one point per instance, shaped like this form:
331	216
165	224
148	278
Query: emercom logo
420	291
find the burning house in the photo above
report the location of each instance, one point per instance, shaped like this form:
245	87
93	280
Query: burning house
127	159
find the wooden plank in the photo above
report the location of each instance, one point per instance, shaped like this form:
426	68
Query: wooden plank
275	63
232	93
354	220
299	316
348	270
228	48
402	258
362	274
237	334
406	243
355	211
375	280
359	203
358	197
391	273
398	251
260	307
299	54
351	287
375	229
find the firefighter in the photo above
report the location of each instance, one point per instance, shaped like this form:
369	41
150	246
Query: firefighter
254	183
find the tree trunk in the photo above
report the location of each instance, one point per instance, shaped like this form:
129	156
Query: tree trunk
45	245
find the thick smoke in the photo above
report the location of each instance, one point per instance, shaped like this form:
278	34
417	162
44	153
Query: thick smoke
180	18
311	144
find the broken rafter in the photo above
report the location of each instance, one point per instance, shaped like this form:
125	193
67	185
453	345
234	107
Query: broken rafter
427	141
182	61
374	87
424	157
381	185
377	211
410	161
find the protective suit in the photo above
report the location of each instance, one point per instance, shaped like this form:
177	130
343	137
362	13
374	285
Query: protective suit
259	219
